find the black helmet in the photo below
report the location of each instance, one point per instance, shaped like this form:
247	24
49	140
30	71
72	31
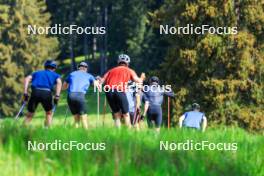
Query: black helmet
50	63
195	106
83	64
154	79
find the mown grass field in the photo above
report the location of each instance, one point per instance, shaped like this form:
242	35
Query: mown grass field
127	152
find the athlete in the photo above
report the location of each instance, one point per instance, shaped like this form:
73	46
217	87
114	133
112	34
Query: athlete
193	119
134	96
115	81
78	83
42	83
153	98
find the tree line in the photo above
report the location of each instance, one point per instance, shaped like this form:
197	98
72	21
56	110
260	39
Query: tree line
224	73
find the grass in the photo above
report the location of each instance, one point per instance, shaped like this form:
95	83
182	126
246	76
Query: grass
127	152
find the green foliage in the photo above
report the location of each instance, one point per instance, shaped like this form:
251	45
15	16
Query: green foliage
127	30
21	53
224	73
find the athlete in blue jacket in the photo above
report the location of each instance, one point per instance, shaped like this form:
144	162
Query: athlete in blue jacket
193	119
131	98
77	83
42	83
153	99
134	96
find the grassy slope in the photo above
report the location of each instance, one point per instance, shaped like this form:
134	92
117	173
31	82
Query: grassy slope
127	153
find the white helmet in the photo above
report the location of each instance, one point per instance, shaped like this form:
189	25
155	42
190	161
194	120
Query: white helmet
123	58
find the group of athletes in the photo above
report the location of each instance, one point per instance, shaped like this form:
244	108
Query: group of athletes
123	89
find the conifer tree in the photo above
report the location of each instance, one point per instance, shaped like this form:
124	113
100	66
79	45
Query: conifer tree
224	73
21	53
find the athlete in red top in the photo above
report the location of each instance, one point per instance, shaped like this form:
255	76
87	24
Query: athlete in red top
118	77
116	81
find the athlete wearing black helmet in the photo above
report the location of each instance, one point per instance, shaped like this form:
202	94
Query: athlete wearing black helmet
42	83
193	119
154	79
153	99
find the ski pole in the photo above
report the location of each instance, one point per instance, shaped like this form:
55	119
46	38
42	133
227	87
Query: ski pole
104	110
53	109
168	112
65	118
98	107
135	117
20	110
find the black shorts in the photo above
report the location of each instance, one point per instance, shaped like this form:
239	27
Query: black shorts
40	96
117	101
77	103
154	114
